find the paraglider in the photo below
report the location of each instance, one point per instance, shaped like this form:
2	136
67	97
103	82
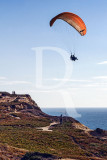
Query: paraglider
72	19
75	21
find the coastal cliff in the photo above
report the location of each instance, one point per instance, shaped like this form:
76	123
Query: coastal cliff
28	133
19	103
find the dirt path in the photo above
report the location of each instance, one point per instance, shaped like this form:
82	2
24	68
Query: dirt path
47	127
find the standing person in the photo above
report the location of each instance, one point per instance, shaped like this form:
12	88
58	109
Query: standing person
61	119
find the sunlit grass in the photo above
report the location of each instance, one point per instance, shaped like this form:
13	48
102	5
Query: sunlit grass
64	141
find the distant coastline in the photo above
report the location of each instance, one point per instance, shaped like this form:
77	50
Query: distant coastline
90	117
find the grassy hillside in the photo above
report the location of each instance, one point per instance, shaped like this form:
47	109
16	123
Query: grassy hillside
20	130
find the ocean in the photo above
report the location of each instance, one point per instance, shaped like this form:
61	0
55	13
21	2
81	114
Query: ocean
90	117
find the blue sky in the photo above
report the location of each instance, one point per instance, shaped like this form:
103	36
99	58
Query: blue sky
24	25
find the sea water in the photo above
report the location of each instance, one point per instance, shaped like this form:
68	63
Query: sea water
90	117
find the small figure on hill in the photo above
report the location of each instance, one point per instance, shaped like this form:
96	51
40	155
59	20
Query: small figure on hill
13	92
61	119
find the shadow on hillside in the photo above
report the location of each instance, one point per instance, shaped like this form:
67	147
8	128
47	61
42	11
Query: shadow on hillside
38	156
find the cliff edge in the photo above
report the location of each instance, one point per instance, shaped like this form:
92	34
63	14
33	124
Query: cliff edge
19	103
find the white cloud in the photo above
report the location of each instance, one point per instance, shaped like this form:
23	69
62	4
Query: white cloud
68	80
2	78
20	82
13	82
100	77
93	85
104	62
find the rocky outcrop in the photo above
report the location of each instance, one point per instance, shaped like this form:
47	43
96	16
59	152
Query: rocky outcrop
100	133
18	103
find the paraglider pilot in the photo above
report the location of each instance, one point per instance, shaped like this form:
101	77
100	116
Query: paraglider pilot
73	58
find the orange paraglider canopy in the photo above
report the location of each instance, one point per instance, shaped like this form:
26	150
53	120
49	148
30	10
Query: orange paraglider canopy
72	19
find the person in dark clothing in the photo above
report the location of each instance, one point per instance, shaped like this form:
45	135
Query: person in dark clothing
61	119
73	58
